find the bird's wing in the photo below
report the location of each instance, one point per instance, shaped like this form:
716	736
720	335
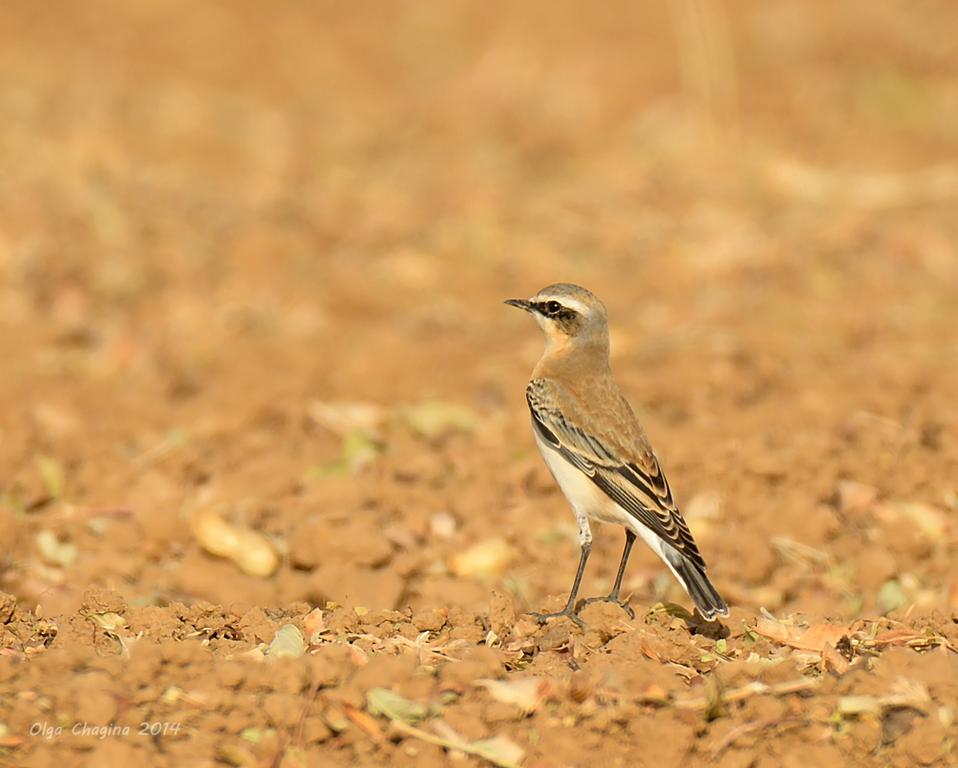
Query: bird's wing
638	486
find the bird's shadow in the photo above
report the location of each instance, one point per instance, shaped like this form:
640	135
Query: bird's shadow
713	629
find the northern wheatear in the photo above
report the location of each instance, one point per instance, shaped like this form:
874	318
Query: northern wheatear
598	452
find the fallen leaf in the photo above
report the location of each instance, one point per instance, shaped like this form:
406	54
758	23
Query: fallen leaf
907	693
288	643
858	705
814	638
237	755
930	520
52	475
434	418
315	625
443	525
358	450
357	655
672	609
388	703
109	620
171	695
891	596
897	637
345	418
817	636
364	722
55	551
335	717
486	559
801	554
855	496
251	551
904	693
8	739
653	693
833	661
754	688
648	649
500	750
526	692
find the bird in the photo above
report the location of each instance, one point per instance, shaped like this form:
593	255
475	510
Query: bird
598	452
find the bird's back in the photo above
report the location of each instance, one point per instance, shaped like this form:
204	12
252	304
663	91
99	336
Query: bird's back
588	394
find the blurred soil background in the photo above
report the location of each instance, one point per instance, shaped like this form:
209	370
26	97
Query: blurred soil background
267	481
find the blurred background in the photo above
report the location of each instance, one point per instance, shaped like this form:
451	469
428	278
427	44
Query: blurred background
252	260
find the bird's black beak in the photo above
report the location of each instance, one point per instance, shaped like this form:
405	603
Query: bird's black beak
521	304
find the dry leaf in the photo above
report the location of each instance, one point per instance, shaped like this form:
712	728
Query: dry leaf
51	472
814	638
357	655
928	519
109	620
525	692
858	705
904	693
288	643
364	722
486	559
443	525
897	637
315	625
817	636
833	661
251	551
653	693
434	418
500	750
236	754
672	609
55	551
347	418
648	649
891	596
388	703
854	496
358	450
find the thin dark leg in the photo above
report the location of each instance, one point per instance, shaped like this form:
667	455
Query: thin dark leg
569	610
629	541
613	596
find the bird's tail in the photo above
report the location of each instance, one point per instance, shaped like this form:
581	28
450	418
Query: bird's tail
697	584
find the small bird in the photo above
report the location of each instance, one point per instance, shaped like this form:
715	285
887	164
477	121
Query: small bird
598	452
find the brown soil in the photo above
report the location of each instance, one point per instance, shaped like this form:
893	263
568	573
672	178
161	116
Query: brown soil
256	372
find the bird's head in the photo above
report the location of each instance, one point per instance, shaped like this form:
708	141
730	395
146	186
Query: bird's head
570	316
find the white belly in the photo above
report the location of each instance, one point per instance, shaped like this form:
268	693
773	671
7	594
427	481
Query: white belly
587	500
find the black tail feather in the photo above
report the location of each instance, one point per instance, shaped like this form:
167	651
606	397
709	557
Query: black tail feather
700	589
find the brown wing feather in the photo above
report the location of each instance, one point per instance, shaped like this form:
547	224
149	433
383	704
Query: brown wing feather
638	486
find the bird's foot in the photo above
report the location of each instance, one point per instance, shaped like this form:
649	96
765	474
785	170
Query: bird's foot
568	612
612	598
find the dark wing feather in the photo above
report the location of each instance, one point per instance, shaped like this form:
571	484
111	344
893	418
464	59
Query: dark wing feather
643	492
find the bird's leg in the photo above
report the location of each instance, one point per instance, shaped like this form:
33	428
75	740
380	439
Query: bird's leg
613	596
569	610
585	544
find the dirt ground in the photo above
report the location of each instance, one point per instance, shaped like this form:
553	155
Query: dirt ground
268	490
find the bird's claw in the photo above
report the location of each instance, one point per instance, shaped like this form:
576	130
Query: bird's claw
567	612
614	599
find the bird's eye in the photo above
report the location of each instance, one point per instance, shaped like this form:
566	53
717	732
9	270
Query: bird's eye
553	307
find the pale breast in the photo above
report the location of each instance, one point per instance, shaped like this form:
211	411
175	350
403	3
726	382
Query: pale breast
585	496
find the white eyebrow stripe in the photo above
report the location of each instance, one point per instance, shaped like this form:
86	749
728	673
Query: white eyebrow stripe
569	303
